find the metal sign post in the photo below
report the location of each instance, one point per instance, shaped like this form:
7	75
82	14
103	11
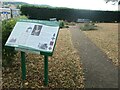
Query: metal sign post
23	65
45	70
23	68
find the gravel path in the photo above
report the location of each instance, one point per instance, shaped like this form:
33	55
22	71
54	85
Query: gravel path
99	71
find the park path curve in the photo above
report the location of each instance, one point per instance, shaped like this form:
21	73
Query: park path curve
99	71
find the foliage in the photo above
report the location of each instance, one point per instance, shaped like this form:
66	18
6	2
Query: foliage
111	1
14	3
8	53
21	17
114	1
88	26
70	23
61	24
66	26
68	14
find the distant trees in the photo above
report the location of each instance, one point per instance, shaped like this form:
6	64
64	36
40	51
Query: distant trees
36	12
116	1
111	0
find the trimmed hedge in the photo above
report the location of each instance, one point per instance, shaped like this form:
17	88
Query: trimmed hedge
68	14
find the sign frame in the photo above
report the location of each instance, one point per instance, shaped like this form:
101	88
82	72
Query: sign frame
24	49
30	49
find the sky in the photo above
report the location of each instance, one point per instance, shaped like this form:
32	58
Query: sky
78	4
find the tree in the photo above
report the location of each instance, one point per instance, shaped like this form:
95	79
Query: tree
115	1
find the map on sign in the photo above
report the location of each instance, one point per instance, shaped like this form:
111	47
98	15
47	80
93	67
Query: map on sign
34	35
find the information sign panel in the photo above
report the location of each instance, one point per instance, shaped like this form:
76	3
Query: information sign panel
34	35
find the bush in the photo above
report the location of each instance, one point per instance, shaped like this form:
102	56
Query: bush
61	24
8	53
72	23
88	26
66	26
69	23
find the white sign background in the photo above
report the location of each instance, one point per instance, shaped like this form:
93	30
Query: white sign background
33	35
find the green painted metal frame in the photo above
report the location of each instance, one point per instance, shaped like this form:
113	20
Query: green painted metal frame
23	65
46	70
46	54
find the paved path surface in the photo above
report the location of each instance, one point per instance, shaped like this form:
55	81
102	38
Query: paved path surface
99	71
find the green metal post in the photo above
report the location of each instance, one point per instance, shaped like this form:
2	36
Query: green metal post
46	70
23	65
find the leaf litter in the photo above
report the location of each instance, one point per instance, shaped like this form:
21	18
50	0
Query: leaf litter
65	68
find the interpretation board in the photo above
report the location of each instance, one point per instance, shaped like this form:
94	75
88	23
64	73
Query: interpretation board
37	36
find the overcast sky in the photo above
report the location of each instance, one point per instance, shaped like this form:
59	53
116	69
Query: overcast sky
79	4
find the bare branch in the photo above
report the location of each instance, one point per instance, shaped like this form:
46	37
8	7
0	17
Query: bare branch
114	1
111	1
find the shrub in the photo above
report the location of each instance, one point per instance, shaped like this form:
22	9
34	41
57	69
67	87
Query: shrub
69	23
61	24
8	53
88	26
66	26
72	23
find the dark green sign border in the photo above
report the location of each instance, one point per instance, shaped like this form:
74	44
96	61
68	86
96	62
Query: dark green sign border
44	22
